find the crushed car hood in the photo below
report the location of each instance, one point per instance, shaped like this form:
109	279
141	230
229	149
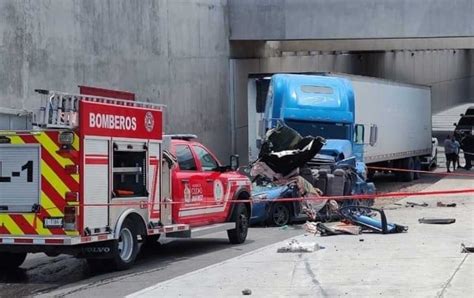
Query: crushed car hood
268	192
334	147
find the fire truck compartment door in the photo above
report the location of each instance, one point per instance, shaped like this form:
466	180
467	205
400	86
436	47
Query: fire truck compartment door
166	198
19	177
154	178
96	183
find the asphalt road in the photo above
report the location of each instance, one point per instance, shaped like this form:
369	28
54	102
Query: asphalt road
65	275
41	274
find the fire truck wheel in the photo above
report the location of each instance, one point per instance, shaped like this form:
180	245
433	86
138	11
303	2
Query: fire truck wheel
239	234
127	247
10	260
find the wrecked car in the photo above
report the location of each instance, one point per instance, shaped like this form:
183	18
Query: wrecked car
288	159
269	208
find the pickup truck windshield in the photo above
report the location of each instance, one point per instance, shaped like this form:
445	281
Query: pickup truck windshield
325	130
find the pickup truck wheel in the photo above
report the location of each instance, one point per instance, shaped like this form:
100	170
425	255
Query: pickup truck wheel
241	218
279	215
9	260
127	247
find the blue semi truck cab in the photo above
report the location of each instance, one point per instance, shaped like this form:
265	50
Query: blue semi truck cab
320	106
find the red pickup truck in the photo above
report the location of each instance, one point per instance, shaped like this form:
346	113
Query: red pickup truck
201	187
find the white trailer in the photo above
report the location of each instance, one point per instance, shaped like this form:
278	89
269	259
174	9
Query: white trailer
397	122
395	118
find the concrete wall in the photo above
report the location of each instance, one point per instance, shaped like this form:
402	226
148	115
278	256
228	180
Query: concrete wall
449	73
346	19
171	52
176	52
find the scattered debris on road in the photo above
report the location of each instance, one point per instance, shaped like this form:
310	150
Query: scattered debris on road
295	246
337	228
310	227
441	204
466	249
246	292
357	215
354	223
436	221
412	204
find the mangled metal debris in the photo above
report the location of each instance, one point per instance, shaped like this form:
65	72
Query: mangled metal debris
355	222
285	159
436	221
354	215
441	204
246	292
466	249
412	204
337	228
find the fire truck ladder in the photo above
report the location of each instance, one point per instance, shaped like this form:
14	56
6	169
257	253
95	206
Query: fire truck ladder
61	110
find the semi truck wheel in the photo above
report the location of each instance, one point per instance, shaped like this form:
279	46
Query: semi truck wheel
407	164
127	247
434	163
9	260
370	175
279	215
241	219
416	175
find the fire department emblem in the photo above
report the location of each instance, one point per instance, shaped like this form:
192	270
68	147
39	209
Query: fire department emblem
149	121
218	190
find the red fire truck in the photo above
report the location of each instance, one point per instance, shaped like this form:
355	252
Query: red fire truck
96	178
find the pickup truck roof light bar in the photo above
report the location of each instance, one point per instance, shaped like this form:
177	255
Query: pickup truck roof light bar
186	137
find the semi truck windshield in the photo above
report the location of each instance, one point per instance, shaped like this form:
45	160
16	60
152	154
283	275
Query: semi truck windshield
325	130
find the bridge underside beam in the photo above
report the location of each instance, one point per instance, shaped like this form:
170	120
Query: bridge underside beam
348	19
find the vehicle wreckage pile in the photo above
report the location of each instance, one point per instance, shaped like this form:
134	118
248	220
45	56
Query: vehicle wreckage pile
288	159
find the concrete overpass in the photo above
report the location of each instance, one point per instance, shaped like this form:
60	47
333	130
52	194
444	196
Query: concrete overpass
346	19
197	56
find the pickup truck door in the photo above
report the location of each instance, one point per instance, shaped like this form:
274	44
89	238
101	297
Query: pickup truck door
214	189
188	189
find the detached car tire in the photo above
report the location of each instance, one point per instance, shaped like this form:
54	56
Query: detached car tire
127	247
241	219
10	260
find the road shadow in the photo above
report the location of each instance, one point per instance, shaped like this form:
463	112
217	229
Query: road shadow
52	273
